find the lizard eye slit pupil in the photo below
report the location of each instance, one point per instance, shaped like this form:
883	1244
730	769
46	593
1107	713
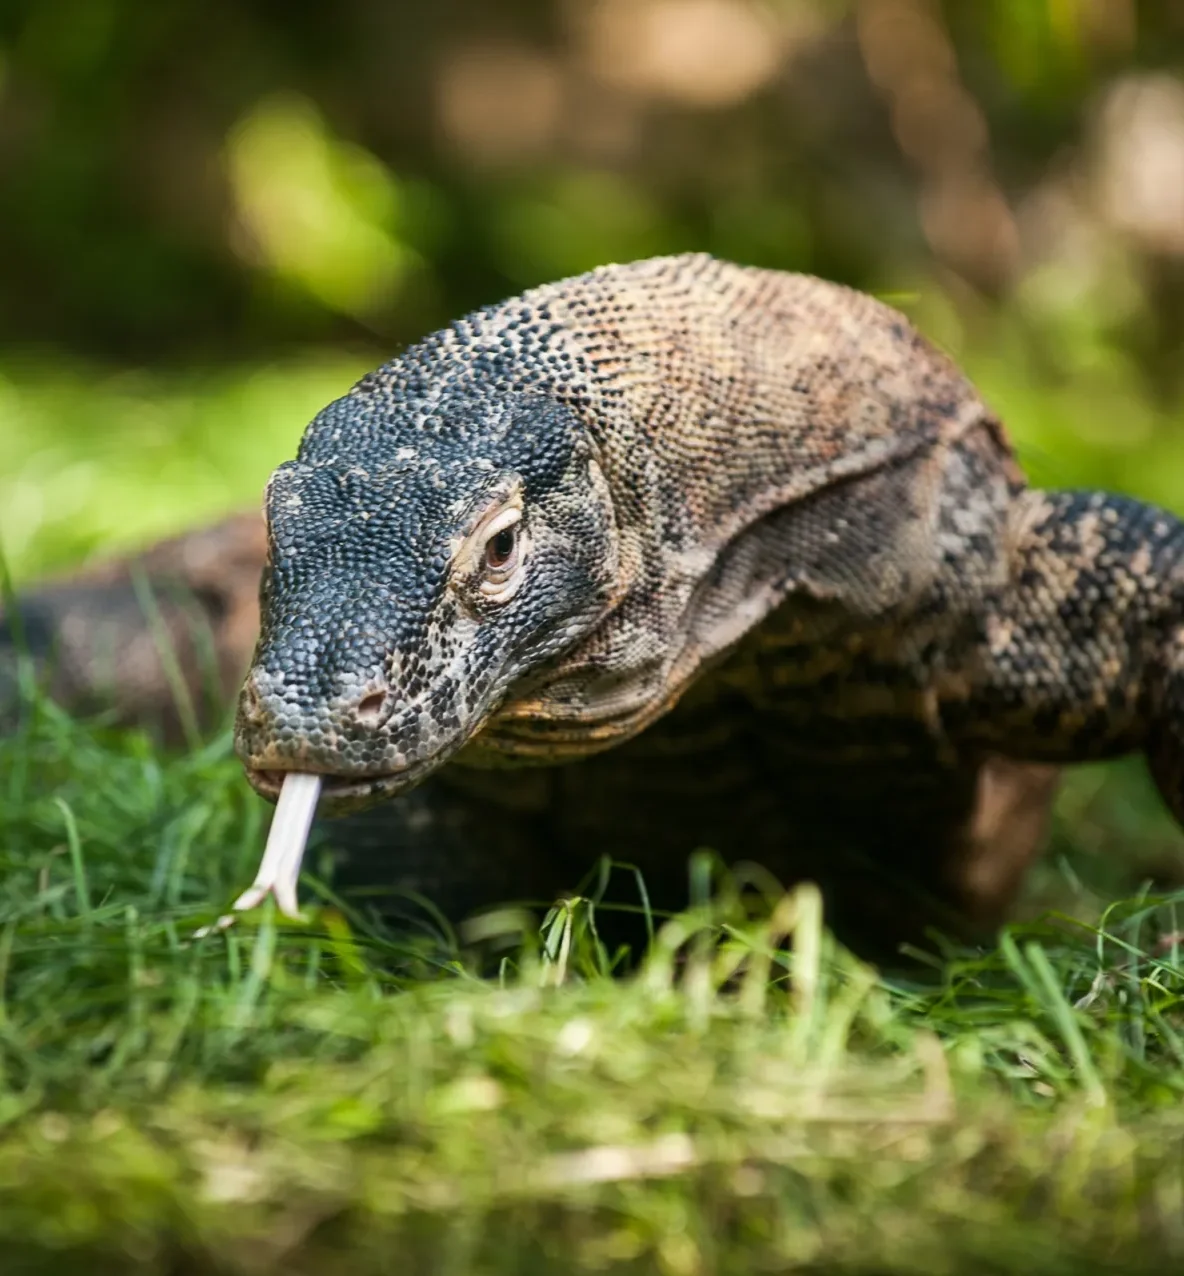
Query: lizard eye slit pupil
499	549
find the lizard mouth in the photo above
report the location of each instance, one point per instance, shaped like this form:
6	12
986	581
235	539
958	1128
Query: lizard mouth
340	794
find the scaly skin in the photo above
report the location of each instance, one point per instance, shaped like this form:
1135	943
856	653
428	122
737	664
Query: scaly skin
690	445
774	584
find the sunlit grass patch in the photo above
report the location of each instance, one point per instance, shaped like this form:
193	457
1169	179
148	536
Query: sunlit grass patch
97	460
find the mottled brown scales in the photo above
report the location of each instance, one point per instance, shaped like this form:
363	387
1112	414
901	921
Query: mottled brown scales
738	548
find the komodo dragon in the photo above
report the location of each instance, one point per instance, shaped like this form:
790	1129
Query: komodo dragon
738	548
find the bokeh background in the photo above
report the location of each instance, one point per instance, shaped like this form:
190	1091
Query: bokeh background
215	214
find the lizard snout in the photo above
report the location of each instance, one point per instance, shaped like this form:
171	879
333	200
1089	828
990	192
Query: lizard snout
369	710
373	707
281	727
367	741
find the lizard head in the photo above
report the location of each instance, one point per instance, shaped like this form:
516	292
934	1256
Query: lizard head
425	555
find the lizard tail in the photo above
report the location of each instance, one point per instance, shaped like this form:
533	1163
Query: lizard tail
1081	656
160	639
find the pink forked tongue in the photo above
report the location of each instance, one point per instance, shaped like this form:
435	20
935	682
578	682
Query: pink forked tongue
279	869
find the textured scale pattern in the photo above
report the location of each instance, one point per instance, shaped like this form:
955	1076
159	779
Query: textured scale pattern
777	586
671	423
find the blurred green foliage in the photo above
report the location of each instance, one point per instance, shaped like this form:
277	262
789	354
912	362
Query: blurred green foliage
96	460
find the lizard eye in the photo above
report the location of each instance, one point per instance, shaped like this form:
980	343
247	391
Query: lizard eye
501	555
500	549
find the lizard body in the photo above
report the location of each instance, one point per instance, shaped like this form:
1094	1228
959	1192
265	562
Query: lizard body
743	553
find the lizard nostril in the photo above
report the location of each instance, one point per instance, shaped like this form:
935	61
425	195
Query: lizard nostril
370	707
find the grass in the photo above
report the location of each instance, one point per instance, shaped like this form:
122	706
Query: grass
329	1097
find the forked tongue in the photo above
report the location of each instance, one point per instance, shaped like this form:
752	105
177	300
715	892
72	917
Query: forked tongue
286	839
279	869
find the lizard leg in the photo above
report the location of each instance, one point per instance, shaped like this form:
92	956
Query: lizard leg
1081	657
